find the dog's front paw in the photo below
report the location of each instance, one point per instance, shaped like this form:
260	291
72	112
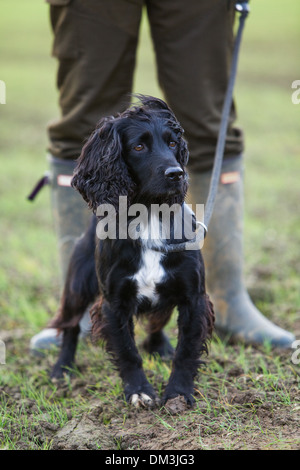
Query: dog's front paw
141	397
142	400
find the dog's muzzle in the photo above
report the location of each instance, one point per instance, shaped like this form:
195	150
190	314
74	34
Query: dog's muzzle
174	173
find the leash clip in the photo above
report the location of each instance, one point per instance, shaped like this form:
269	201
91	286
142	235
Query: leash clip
201	224
243	8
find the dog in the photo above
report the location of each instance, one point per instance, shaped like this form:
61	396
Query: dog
140	157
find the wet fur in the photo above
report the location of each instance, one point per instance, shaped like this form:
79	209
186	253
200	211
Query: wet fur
114	274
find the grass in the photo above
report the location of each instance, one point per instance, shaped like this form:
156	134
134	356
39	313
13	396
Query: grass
246	397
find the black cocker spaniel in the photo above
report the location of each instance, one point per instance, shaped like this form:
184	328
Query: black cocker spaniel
132	174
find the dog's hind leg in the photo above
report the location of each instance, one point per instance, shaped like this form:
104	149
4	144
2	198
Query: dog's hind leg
157	342
81	289
66	358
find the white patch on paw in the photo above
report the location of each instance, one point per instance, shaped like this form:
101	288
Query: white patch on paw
146	399
142	399
134	399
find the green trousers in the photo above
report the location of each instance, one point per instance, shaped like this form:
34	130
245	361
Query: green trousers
95	42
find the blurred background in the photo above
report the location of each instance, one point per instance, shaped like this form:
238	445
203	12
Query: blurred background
269	63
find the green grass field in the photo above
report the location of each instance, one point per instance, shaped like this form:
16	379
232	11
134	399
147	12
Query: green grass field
247	398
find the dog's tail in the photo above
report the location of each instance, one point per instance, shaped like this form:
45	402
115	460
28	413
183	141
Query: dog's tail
97	319
81	286
208	323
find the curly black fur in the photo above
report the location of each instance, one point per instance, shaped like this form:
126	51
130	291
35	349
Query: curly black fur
140	154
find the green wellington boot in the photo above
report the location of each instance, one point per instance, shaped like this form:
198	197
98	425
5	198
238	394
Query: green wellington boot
236	317
71	216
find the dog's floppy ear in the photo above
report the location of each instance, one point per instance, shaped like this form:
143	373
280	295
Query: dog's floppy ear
183	153
101	175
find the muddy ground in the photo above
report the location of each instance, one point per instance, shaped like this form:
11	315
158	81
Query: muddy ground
239	410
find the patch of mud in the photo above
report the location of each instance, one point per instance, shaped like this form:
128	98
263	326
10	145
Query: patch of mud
176	405
84	433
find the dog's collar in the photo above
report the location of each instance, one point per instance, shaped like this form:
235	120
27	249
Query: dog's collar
192	241
193	244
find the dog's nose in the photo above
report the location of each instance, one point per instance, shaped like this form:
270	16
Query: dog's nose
174	173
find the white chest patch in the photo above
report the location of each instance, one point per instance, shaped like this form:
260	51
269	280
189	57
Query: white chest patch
150	273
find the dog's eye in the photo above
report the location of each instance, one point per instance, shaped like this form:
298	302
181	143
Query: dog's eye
172	144
139	147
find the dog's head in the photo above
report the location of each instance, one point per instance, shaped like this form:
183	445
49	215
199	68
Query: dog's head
140	154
